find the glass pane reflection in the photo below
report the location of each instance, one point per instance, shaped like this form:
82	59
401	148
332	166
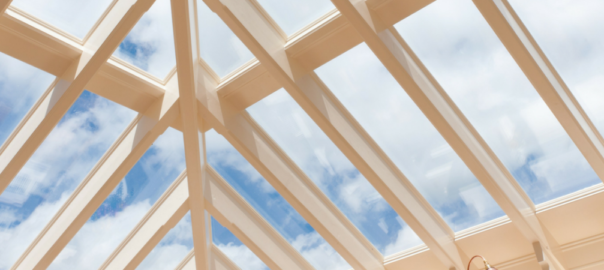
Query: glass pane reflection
575	48
385	110
73	16
150	44
126	205
268	202
21	85
74	146
463	53
293	15
332	172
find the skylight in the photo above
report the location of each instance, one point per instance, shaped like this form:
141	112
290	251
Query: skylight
472	65
240	254
293	15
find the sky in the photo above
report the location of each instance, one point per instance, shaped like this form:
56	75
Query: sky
75	17
468	60
126	205
449	36
65	157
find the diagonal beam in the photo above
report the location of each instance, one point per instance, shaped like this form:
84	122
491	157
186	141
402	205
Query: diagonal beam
265	42
380	171
231	210
99	47
218	261
4	5
169	209
410	73
289	180
99	183
185	41
530	58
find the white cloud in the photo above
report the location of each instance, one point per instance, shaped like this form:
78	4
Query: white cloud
242	256
55	169
405	239
318	253
469	61
293	15
97	239
153	41
172	249
73	16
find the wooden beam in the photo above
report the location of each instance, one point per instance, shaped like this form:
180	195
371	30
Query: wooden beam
169	209
99	183
185	41
434	102
218	261
4	5
99	47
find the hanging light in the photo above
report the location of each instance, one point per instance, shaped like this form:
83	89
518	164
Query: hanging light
487	266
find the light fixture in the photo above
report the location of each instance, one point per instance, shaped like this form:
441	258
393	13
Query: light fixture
487	266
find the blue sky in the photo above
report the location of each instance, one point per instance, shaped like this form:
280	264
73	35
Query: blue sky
449	36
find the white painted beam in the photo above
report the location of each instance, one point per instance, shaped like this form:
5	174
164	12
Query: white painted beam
410	73
530	58
266	43
185	41
15	152
169	209
99	183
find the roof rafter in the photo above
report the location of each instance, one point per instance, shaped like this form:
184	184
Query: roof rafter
185	41
99	183
43	118
169	209
434	102
218	261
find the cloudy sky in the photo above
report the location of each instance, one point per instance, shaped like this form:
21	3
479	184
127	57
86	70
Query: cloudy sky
449	36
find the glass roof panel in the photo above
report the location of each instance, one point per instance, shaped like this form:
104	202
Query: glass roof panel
239	254
46	181
293	15
244	178
72	16
218	45
126	205
463	53
307	145
575	48
172	249
150	44
397	125
21	85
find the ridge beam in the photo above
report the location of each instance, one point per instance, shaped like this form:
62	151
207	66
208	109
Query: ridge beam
41	120
98	184
265	42
169	209
541	73
185	42
438	107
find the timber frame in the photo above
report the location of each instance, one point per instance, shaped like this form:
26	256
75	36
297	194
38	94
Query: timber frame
563	234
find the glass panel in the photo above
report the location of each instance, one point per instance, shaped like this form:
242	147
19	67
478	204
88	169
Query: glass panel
150	44
322	161
172	249
21	85
466	57
293	15
268	202
385	110
73	16
576	48
62	161
126	205
234	249
218	45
